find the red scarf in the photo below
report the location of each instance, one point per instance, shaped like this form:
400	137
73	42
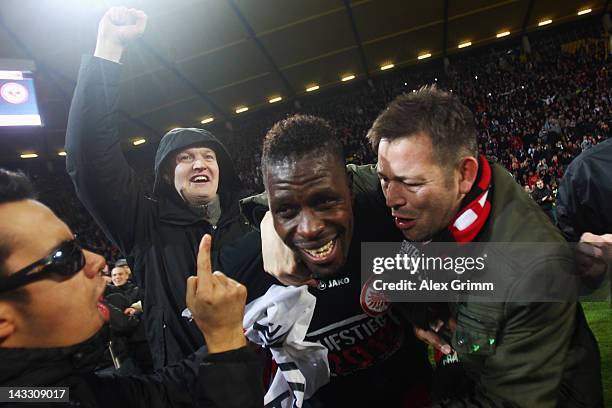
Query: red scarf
474	210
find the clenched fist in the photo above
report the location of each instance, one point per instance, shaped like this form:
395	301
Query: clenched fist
216	303
117	28
593	253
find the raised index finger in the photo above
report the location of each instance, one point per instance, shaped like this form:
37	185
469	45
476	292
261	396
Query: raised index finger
204	265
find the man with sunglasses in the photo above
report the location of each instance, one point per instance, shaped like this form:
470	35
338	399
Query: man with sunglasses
51	313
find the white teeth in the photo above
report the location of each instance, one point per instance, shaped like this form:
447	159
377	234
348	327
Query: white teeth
323	251
199	178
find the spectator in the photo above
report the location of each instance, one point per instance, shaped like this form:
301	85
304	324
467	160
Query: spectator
586	143
121	275
544	197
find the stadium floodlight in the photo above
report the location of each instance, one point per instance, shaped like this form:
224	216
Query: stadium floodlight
138	142
464	44
584	11
28	155
207	120
275	99
502	34
386	66
312	88
348	78
544	22
61	153
425	55
242	109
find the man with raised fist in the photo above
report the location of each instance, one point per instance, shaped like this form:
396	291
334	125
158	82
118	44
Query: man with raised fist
195	191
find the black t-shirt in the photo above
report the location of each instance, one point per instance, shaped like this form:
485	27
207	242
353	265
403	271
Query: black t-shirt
374	358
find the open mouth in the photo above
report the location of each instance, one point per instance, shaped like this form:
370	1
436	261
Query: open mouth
103	309
322	254
199	179
404	223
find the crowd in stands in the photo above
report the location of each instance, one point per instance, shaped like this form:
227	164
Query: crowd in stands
535	112
55	190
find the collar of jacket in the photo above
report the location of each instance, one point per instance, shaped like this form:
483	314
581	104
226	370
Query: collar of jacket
41	366
173	210
253	208
129	285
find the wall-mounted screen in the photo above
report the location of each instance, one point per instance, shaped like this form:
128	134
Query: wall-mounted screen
18	105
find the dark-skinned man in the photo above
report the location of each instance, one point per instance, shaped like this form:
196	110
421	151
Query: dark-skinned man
373	355
195	191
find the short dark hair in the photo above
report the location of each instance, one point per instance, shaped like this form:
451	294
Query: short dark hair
300	136
438	114
14	186
121	263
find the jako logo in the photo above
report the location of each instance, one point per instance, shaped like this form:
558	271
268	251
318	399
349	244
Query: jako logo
333	283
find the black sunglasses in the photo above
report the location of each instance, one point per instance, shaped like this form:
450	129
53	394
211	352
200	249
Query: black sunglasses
65	260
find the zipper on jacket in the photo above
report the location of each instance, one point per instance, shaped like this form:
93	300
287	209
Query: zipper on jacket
213	232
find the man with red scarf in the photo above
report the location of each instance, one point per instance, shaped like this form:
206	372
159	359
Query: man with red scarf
439	189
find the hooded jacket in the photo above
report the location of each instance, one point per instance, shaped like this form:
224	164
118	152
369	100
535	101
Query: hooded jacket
194	382
159	234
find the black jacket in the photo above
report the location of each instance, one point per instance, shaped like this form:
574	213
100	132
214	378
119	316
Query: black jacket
230	379
159	234
538	196
130	291
583	200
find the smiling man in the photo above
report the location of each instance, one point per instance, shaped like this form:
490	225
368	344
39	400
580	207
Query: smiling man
196	191
373	355
120	275
311	204
51	313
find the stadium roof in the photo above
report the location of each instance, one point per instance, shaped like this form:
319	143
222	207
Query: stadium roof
206	58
